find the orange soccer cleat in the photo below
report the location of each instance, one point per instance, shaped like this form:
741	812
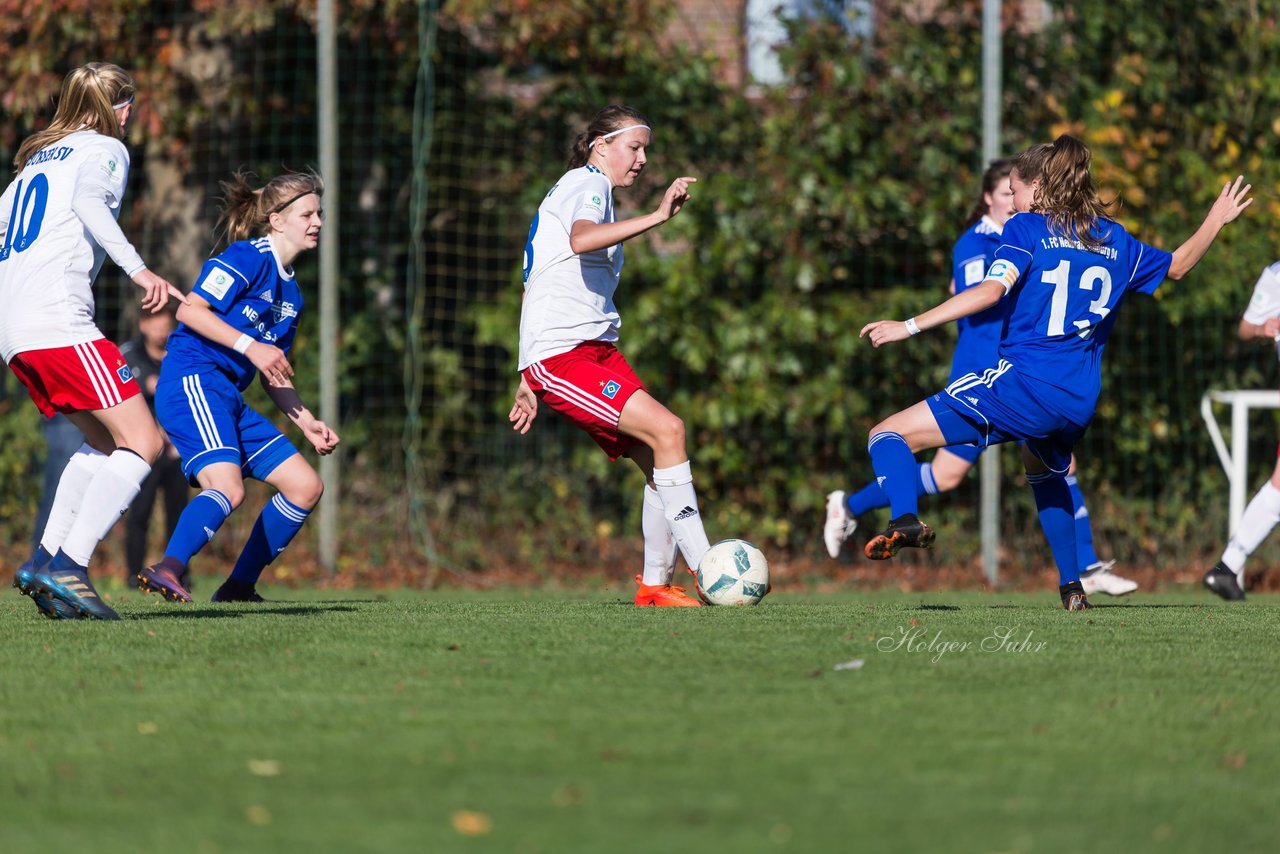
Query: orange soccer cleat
663	596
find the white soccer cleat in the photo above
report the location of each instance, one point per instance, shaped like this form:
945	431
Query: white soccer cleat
1101	579
840	525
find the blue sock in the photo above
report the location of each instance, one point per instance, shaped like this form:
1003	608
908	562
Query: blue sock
277	524
1053	501
895	468
1085	555
199	521
872	497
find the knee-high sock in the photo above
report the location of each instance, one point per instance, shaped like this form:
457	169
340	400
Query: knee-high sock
680	507
277	524
659	542
1085	554
895	468
872	497
106	499
1053	502
76	477
198	523
1259	518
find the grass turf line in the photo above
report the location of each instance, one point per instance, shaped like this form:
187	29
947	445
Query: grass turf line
515	721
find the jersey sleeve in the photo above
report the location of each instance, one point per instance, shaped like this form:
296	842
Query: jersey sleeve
1014	254
589	201
1150	267
225	277
1265	302
99	189
969	262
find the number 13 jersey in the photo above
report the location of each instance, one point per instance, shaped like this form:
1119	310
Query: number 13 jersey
57	222
1064	300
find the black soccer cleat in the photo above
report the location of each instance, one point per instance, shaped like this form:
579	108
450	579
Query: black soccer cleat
1073	598
905	532
236	591
1223	581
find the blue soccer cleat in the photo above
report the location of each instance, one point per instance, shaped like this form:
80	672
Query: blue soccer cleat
51	608
65	582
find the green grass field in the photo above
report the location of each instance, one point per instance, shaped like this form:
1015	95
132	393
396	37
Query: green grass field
553	722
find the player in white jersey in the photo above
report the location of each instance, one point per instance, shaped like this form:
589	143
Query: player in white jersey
568	327
1261	322
57	223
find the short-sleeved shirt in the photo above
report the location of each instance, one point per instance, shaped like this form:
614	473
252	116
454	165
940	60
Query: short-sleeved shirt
568	298
48	258
1063	304
979	337
250	289
1265	302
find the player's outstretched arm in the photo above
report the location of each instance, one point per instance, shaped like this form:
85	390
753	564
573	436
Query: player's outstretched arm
1230	203
158	290
587	236
1269	330
524	409
978	298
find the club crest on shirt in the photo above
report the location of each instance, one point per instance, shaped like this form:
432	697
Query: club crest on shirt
610	389
124	374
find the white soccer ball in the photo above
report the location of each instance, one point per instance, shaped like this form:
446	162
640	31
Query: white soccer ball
733	572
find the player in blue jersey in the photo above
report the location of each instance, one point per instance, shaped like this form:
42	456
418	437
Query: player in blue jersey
239	323
1065	269
977	345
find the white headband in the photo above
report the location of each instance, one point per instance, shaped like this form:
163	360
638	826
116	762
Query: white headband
123	104
614	133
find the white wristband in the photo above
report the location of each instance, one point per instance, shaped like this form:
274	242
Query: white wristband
911	326
242	344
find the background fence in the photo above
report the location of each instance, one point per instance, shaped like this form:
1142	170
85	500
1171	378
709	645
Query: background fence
829	195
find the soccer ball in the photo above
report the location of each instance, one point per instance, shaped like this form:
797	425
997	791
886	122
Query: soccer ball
733	572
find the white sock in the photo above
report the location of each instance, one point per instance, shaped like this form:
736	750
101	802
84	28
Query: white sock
80	469
1259	518
680	506
659	542
106	499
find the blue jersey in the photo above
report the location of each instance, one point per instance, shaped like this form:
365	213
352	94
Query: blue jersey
250	289
1063	304
979	339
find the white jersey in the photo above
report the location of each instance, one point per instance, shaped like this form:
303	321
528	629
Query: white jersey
568	298
1265	302
57	221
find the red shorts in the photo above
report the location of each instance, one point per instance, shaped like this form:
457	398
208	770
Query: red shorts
589	385
82	377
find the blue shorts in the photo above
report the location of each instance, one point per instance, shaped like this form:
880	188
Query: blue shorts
968	453
997	406
208	422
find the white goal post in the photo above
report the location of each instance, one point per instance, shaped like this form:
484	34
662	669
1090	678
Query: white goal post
1235	462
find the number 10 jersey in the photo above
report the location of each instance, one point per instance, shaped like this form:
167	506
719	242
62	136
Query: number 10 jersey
57	222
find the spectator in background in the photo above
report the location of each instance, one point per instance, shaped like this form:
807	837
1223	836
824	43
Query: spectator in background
144	352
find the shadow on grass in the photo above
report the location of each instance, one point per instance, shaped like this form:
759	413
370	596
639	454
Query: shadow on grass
938	608
219	613
1098	606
